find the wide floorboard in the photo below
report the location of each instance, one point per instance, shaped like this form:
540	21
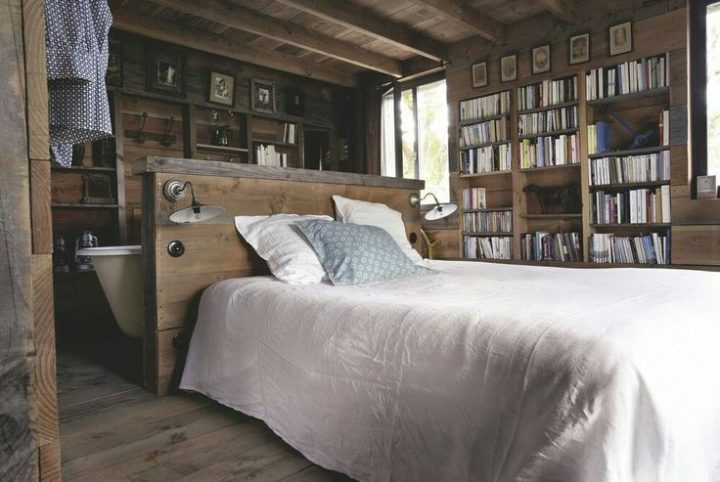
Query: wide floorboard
113	430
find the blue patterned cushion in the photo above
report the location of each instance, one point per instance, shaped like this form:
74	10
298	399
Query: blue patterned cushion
354	254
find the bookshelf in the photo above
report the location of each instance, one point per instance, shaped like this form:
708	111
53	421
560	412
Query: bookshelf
553	144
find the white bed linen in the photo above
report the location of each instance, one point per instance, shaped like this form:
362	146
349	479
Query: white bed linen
479	372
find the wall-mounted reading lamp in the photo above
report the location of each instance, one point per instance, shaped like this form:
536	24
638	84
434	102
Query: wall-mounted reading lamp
196	212
439	211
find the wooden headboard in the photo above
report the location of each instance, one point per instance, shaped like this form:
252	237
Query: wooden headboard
213	250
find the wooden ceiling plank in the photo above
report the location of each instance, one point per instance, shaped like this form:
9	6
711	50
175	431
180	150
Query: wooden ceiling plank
189	37
240	18
563	9
364	20
485	26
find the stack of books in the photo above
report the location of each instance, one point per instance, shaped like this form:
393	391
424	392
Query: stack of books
289	133
630	77
484	133
548	121
267	155
549	151
547	93
474	198
598	138
483	107
629	169
650	248
634	206
496	247
488	222
543	245
487	159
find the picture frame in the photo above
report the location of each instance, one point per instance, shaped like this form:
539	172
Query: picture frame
166	72
114	72
579	49
221	89
620	38
508	68
479	75
262	94
540	60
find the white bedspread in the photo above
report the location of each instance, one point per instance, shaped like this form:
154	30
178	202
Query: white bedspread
478	372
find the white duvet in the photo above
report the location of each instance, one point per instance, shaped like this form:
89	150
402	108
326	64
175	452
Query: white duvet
477	372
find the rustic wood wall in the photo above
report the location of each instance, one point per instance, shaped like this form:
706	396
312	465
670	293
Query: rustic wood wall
214	251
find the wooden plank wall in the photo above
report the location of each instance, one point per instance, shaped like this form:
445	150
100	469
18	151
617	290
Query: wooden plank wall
657	29
214	251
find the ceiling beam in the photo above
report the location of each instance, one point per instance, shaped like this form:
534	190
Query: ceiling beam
480	23
368	22
240	18
154	28
562	9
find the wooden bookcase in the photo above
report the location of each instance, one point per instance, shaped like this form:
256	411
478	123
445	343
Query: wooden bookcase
509	190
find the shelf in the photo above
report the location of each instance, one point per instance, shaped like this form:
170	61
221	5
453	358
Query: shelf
569	264
598	187
83	206
616	99
486	144
275	143
488	235
629	152
551	107
483	174
472	122
82	169
574	130
552	216
486	210
550	168
633	225
211	147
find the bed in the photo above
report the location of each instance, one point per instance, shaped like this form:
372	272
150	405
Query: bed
482	372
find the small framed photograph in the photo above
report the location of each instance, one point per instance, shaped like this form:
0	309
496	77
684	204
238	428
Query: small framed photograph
540	59
706	187
114	73
263	95
579	49
222	89
620	38
508	68
165	72
479	75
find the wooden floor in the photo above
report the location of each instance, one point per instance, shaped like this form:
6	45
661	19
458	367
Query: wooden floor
111	429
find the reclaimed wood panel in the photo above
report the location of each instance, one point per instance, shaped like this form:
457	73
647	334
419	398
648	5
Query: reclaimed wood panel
696	245
40	205
36	78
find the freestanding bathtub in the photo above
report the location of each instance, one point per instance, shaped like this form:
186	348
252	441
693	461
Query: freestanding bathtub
119	271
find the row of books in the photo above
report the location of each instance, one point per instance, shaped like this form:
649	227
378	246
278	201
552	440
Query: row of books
267	155
635	76
598	137
485	132
487	159
627	169
547	93
492	247
548	121
474	198
289	133
650	248
487	106
634	206
488	222
549	151
543	245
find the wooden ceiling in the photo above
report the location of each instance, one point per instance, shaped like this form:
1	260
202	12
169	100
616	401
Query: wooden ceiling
332	40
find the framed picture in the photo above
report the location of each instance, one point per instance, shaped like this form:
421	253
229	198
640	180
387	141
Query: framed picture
114	73
508	68
165	72
579	49
222	89
263	95
540	59
479	75
620	38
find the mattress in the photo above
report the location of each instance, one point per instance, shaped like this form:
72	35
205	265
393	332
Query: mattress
476	372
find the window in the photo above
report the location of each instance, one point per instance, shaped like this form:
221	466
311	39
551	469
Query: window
705	86
424	136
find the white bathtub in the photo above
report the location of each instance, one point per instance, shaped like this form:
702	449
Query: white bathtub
119	270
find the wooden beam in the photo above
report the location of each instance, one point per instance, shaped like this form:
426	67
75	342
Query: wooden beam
562	9
372	24
241	18
483	25
218	45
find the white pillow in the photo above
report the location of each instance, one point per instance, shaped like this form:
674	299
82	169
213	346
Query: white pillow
288	254
376	214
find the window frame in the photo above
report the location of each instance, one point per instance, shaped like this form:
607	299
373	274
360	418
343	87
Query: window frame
697	23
